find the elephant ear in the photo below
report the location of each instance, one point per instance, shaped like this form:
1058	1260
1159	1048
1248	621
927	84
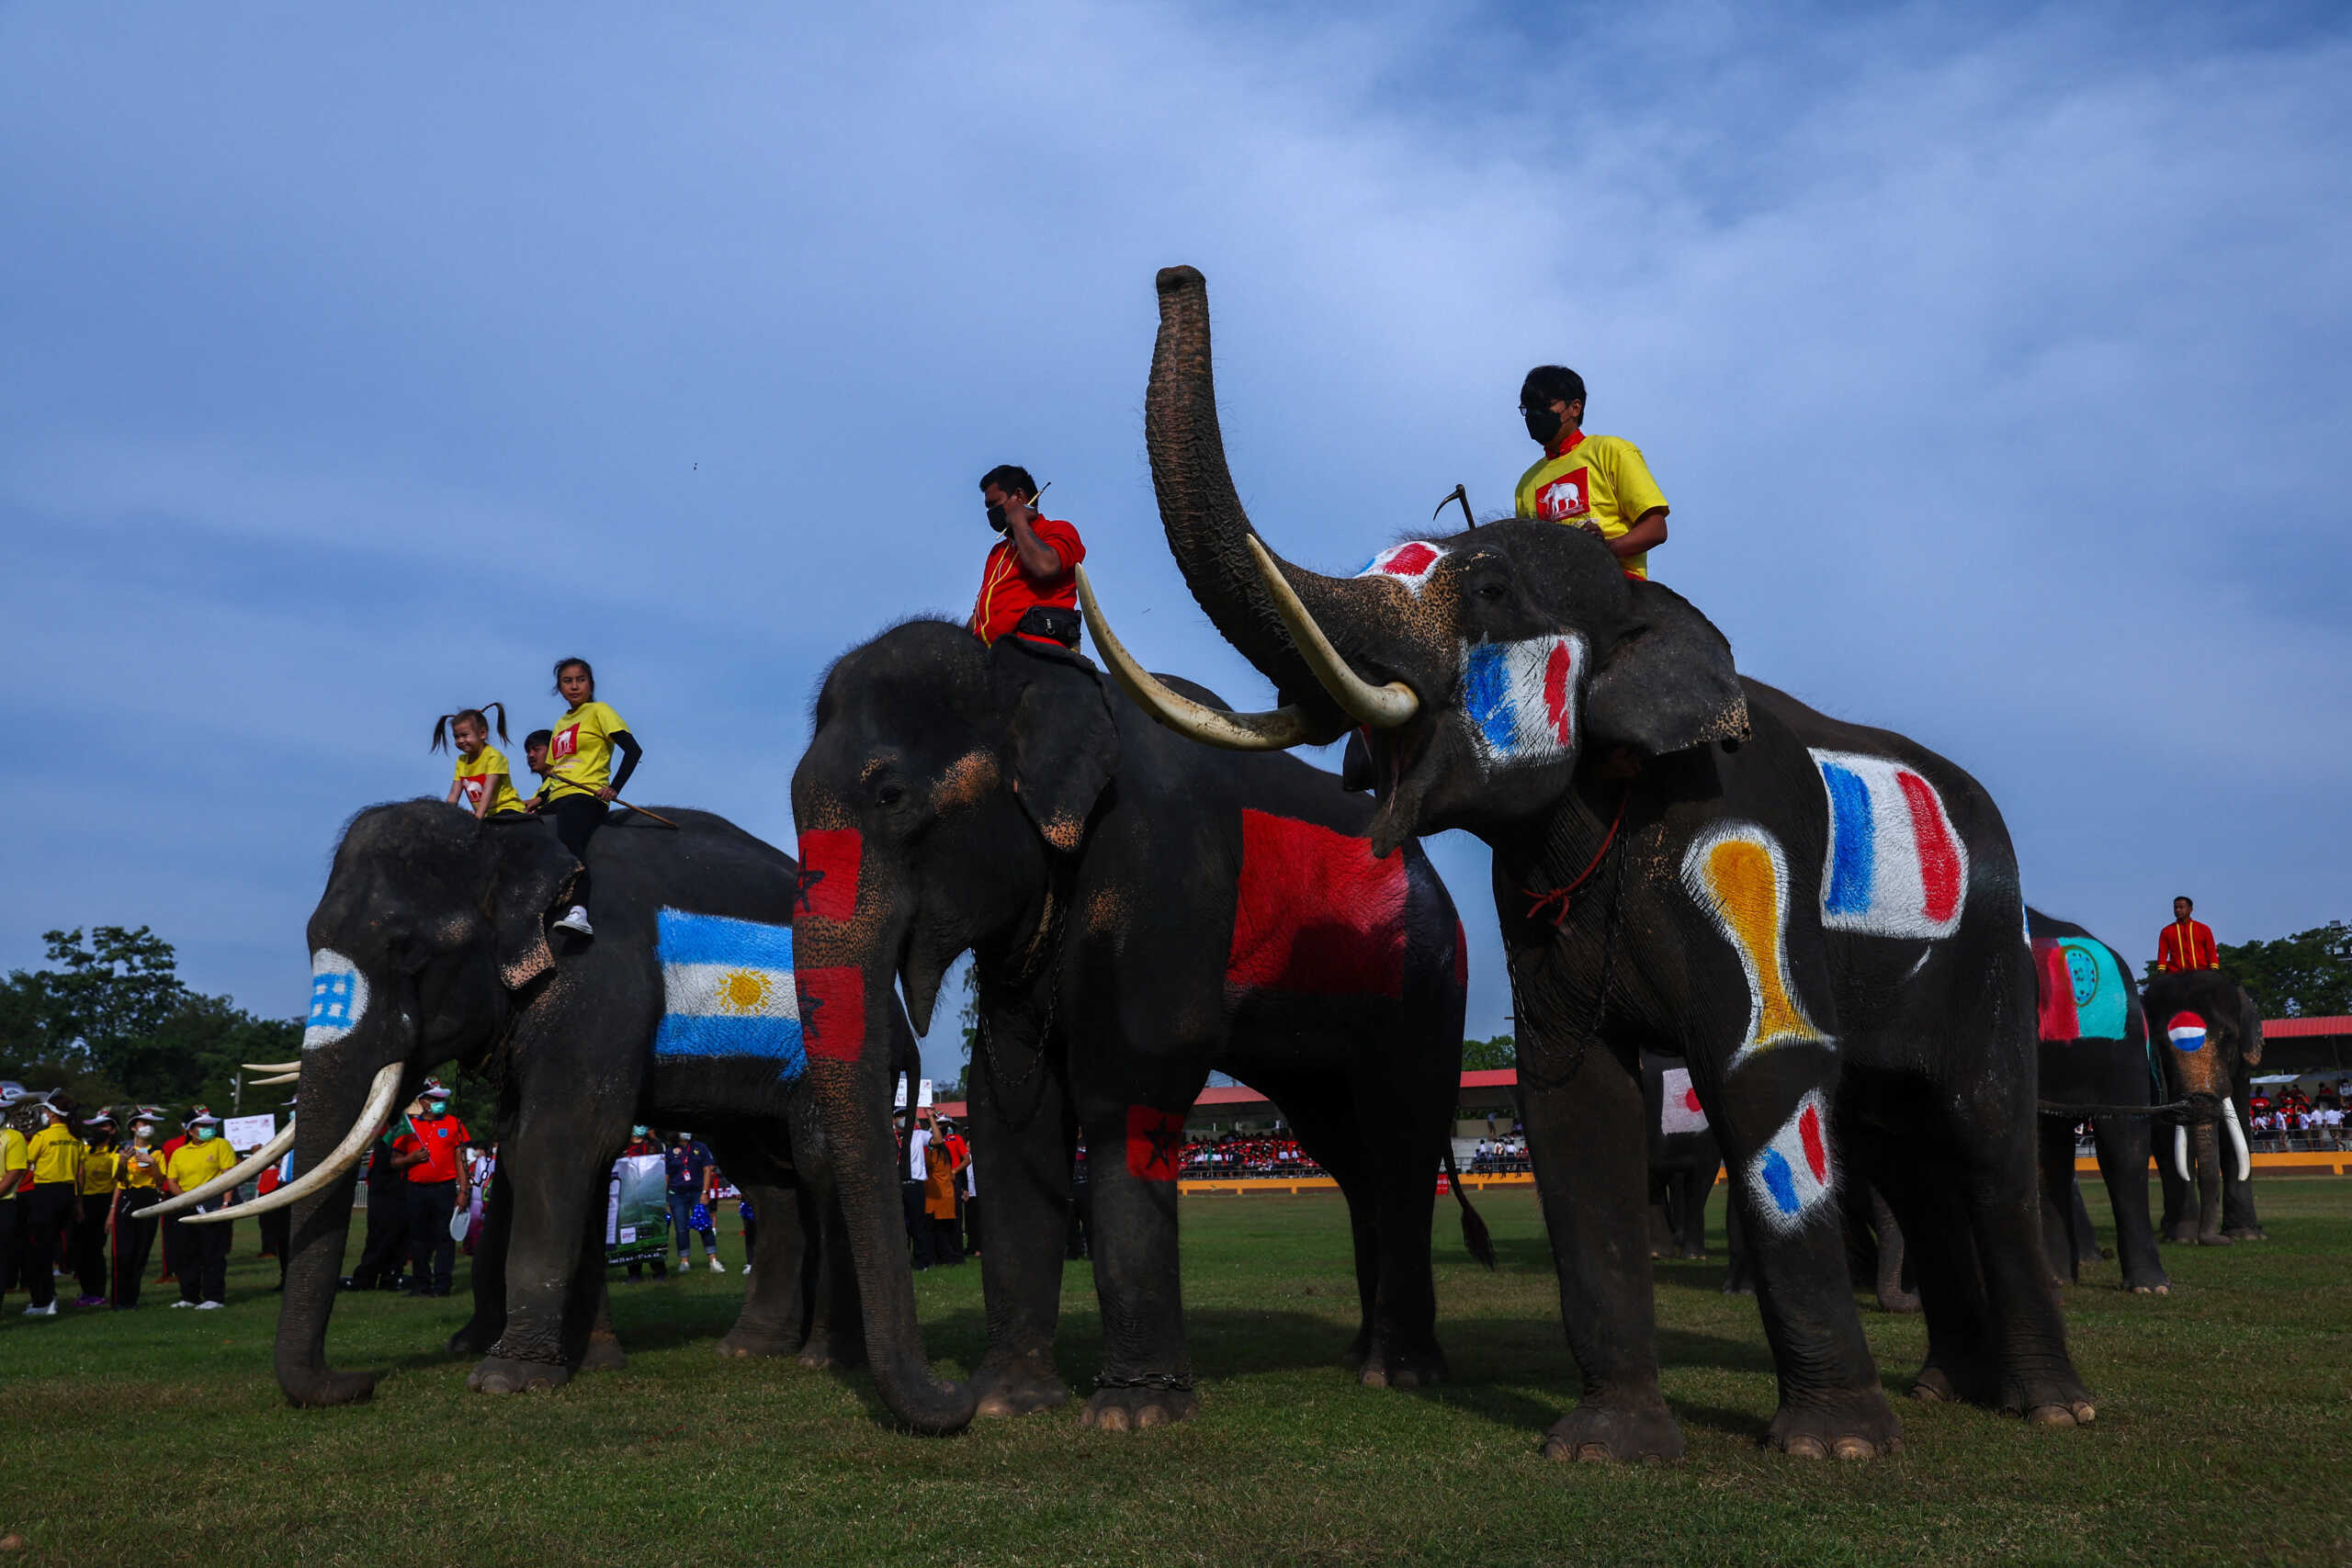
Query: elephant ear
531	874
2250	1026
1063	748
1670	684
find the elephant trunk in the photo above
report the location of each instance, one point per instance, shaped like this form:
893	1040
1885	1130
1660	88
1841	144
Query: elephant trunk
2207	1140
852	1098
1209	532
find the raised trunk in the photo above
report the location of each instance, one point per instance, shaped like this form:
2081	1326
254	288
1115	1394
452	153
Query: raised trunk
334	1093
852	1099
1203	515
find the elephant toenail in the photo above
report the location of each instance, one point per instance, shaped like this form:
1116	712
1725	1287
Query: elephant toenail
2050	1416
1805	1448
1854	1448
1150	1416
1593	1453
2085	1414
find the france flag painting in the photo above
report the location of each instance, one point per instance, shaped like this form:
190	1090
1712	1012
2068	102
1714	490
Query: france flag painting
726	990
1894	866
1790	1175
1520	697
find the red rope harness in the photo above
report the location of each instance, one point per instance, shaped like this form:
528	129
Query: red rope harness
1562	896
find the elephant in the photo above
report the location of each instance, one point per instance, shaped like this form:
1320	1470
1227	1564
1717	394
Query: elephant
431	943
1684	1158
2094	1051
1824	920
2209	1038
1140	912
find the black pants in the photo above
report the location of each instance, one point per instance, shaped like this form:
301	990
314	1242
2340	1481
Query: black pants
972	1226
55	1203
387	1246
432	1252
134	1238
12	1241
90	1243
204	1258
917	1222
276	1228
577	817
175	1243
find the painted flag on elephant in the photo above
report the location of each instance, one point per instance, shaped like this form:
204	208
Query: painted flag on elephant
1679	1108
727	990
2082	990
1895	865
1409	563
1789	1175
1520	697
2186	1032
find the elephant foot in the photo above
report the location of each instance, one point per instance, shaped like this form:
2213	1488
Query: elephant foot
2245	1233
1132	1409
2162	1288
1858	1426
499	1374
2178	1234
2051	1402
1421	1366
1898	1301
1594	1433
2217	1239
744	1342
1692	1255
1019	1385
823	1348
604	1354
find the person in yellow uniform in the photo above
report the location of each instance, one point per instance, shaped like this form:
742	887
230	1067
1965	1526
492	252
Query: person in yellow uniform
139	1186
55	1157
98	1162
16	1176
204	1250
581	779
1598	483
482	783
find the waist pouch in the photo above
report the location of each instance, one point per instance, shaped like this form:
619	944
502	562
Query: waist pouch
1054	621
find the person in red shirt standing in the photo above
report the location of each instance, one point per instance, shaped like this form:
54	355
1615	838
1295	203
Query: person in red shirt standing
2186	944
1029	586
431	1150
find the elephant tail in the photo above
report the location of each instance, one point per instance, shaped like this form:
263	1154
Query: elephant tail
1480	1245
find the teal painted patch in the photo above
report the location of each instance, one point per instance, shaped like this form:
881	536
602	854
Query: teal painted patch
2099	996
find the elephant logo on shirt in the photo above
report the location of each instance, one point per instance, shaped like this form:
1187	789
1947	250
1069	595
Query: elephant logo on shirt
1570	495
565	744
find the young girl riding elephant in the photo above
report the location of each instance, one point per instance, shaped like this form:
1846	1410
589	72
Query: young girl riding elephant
482	781
581	781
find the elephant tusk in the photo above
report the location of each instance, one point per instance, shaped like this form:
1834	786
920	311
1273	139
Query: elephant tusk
271	1066
253	1165
1380	708
2237	1141
282	1078
381	1095
2180	1151
1275	731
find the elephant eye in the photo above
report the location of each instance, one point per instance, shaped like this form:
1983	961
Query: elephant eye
889	795
1488	591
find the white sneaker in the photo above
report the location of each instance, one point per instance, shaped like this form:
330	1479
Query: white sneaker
209	1306
747	1267
576	919
717	1266
49	1311
176	1305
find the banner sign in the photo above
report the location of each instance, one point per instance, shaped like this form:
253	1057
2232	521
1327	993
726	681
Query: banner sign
637	1211
249	1132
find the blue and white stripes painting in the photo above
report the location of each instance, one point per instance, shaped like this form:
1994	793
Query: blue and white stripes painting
726	990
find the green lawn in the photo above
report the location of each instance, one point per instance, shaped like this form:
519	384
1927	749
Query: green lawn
2224	1431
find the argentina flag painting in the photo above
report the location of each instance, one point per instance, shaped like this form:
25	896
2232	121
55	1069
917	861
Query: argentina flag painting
726	990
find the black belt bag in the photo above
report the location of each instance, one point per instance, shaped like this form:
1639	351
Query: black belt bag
1054	621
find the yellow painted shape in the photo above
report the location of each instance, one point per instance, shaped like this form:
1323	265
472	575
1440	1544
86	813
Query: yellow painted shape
1740	877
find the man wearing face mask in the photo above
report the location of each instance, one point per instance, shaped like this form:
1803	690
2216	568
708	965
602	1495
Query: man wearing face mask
1597	483
1029	585
429	1152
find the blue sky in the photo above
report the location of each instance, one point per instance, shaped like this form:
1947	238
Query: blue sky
359	363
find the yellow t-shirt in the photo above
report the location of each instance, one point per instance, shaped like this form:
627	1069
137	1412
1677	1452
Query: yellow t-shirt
1599	479
97	1172
474	778
580	755
55	1154
194	1164
133	1171
14	1154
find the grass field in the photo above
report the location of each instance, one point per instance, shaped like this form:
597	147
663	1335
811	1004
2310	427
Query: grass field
2223	1435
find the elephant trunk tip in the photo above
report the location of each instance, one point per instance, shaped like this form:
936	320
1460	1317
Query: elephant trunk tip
937	1410
321	1389
1176	279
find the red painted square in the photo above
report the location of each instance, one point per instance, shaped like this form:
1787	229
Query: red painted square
832	1012
1314	913
829	862
1570	495
1155	1143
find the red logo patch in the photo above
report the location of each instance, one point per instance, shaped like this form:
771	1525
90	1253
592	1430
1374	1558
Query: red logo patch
832	1012
566	743
829	862
1155	1143
1570	495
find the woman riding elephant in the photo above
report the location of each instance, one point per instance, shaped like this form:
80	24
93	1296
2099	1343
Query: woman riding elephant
432	943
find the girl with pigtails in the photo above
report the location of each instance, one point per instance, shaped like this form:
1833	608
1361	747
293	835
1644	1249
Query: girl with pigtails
484	783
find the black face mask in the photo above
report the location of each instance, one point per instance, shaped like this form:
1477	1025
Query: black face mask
1541	423
996	518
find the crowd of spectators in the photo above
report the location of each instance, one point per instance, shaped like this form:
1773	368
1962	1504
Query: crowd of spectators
2289	1121
1500	1155
1274	1154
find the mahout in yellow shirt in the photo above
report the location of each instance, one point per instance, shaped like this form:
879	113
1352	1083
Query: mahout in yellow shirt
1599	479
474	774
15	1154
581	751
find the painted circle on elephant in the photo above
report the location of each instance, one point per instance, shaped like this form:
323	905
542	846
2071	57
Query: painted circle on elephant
2082	968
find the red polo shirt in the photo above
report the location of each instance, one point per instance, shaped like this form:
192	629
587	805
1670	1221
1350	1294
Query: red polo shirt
1007	592
443	1138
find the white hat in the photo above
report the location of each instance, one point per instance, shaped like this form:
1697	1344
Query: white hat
204	1119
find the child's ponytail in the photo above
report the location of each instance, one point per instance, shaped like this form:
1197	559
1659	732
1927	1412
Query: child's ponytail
448	721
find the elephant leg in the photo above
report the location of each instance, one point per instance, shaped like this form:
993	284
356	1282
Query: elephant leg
1923	1192
1661	1213
1691	1226
2179	1224
773	1319
1022	1148
1738	1279
489	1320
589	1341
1893	1293
1329	1139
1772	1110
2054	1147
1147	1376
557	1179
2122	1144
1392	1144
2028	1336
